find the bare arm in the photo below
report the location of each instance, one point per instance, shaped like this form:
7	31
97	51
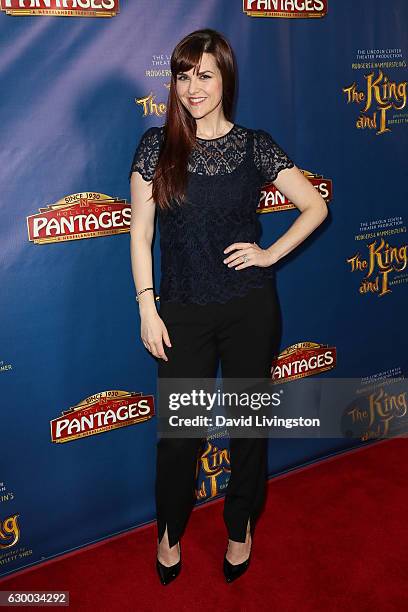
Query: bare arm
292	183
141	235
295	186
143	208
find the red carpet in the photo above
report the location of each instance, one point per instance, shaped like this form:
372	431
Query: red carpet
333	536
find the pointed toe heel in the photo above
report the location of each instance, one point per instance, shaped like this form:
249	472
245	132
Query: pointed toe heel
168	573
232	572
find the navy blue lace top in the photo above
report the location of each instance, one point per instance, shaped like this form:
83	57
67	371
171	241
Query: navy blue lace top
225	176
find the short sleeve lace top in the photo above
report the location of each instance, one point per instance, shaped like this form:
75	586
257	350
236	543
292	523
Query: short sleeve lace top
225	177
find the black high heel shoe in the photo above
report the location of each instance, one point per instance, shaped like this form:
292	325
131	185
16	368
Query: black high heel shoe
232	572
168	574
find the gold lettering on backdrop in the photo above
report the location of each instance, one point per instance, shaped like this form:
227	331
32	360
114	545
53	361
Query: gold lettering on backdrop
381	91
383	258
150	107
214	463
381	410
9	531
384	407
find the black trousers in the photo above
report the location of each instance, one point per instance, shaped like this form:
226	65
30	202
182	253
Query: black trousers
244	334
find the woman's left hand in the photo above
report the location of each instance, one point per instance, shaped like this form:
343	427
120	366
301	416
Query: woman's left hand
254	254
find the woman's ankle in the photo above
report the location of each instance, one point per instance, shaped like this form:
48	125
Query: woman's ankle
168	556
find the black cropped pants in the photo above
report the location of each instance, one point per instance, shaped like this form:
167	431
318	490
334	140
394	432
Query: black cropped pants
244	334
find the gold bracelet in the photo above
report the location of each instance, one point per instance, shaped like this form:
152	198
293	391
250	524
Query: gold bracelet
141	291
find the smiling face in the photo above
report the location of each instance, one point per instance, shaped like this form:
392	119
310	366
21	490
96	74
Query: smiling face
200	89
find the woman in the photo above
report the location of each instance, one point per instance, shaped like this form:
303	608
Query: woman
203	173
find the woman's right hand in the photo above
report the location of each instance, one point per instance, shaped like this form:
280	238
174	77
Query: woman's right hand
153	331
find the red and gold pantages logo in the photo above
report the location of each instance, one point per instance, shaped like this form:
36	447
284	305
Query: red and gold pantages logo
61	8
382	260
380	95
79	215
285	8
272	200
303	359
102	412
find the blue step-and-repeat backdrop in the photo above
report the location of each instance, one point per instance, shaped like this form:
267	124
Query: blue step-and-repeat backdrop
81	80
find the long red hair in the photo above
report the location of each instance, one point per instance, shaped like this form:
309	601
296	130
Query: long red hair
170	177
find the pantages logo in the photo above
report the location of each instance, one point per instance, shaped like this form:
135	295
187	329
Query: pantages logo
79	215
383	259
272	200
303	359
285	8
380	93
61	8
102	412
